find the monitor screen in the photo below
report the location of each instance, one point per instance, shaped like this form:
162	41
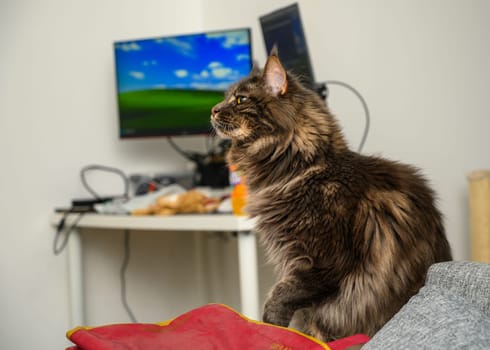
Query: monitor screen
284	28
166	86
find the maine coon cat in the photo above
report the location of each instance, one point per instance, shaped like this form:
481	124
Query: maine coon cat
352	236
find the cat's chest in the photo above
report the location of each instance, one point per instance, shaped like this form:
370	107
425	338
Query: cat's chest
296	206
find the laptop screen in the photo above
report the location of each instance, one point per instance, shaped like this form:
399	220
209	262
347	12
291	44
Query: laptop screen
284	28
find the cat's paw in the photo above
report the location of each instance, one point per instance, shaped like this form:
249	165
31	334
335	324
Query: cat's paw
277	316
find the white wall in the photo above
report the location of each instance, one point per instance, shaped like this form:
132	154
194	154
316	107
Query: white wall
421	65
57	114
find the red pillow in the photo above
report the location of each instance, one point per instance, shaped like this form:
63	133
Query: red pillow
212	326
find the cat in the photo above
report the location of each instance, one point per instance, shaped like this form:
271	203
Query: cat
352	236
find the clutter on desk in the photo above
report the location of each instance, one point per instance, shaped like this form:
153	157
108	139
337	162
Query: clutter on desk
169	200
239	191
189	202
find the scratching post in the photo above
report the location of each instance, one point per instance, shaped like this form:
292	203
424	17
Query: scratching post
479	201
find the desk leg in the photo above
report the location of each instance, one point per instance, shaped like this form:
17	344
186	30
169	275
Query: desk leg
75	279
249	279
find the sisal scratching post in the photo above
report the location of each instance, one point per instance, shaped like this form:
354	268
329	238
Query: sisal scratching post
479	196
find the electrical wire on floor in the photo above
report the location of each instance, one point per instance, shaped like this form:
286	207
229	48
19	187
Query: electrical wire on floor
124	267
364	106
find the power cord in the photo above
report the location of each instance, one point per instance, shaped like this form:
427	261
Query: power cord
60	230
364	106
197	157
109	169
211	168
192	156
58	248
122	274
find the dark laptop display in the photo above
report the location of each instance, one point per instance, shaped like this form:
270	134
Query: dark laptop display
284	28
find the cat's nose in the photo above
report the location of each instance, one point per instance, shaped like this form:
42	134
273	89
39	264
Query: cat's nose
215	110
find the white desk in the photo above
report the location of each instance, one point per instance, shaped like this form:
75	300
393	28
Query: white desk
247	253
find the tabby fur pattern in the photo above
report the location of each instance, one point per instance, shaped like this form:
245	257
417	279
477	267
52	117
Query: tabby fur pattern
352	236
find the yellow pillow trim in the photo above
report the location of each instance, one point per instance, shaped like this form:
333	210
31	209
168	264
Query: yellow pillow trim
76	329
322	344
167	322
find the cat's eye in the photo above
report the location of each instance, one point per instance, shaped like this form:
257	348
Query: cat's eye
241	99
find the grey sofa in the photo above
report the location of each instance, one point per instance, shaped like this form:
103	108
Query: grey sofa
452	311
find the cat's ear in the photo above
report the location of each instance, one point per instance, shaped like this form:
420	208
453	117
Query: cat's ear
275	74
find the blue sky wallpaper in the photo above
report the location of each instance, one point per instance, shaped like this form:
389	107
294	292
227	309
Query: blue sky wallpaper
206	61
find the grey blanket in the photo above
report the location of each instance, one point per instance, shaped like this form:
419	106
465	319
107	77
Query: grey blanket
452	311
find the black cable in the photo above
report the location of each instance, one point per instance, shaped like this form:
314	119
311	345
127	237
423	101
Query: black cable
60	230
364	106
179	150
61	225
87	168
124	266
192	156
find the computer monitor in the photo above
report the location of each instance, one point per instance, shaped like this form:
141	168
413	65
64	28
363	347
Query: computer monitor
284	28
166	86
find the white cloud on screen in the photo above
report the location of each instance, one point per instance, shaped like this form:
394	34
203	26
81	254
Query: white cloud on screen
216	76
126	47
221	72
230	39
181	73
182	47
205	86
137	75
242	57
215	64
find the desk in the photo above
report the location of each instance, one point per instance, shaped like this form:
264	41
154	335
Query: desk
247	253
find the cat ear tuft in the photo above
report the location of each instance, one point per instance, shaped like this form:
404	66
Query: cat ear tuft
274	51
275	74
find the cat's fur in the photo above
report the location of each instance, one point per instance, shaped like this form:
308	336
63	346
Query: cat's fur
352	236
